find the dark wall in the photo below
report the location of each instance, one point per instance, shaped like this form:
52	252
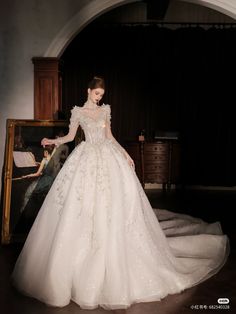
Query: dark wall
163	79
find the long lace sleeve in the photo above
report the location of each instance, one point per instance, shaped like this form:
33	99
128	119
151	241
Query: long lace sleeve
73	126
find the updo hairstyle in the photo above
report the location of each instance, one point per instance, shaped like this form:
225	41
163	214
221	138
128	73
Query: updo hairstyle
96	82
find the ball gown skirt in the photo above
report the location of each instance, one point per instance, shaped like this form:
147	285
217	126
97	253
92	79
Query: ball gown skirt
97	241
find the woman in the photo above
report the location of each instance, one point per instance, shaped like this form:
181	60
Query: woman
43	181
96	239
36	191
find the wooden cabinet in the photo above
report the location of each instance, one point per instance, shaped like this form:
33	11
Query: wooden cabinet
47	88
156	162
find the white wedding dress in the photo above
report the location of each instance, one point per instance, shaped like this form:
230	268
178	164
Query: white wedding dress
97	240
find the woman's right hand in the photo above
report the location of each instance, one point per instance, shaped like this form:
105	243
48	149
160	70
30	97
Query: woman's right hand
47	141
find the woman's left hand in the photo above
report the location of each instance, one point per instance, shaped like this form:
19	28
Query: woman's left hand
130	161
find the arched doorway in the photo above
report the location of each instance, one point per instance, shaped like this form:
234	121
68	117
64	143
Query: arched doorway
195	152
95	8
47	85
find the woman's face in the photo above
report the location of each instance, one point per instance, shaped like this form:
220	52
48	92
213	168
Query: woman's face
96	94
45	153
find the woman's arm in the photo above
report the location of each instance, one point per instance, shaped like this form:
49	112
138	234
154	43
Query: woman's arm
38	173
110	136
74	124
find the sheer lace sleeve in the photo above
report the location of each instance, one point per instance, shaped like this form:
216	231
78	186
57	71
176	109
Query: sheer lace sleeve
108	115
73	126
74	118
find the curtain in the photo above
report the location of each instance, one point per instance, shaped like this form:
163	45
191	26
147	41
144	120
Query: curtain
158	78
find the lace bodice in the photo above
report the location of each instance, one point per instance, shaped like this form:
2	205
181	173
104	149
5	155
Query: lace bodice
93	122
96	124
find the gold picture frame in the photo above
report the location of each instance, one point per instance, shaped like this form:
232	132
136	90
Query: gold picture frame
24	189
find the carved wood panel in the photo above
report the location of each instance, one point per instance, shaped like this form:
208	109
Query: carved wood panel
47	88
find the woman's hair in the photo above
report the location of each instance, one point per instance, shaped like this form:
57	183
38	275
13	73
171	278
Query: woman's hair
49	148
96	82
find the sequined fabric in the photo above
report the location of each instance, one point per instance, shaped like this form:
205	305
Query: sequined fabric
98	242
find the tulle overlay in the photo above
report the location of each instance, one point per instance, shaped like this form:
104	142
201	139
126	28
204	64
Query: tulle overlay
98	242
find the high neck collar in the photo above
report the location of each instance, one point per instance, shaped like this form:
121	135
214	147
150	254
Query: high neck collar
90	104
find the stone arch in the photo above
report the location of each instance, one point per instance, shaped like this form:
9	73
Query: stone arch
227	7
81	19
94	8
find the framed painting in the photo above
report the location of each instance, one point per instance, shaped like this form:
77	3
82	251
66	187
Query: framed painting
29	171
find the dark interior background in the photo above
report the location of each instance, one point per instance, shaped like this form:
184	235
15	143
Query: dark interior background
158	78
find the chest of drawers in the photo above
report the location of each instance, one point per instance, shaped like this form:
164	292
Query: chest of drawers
156	162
